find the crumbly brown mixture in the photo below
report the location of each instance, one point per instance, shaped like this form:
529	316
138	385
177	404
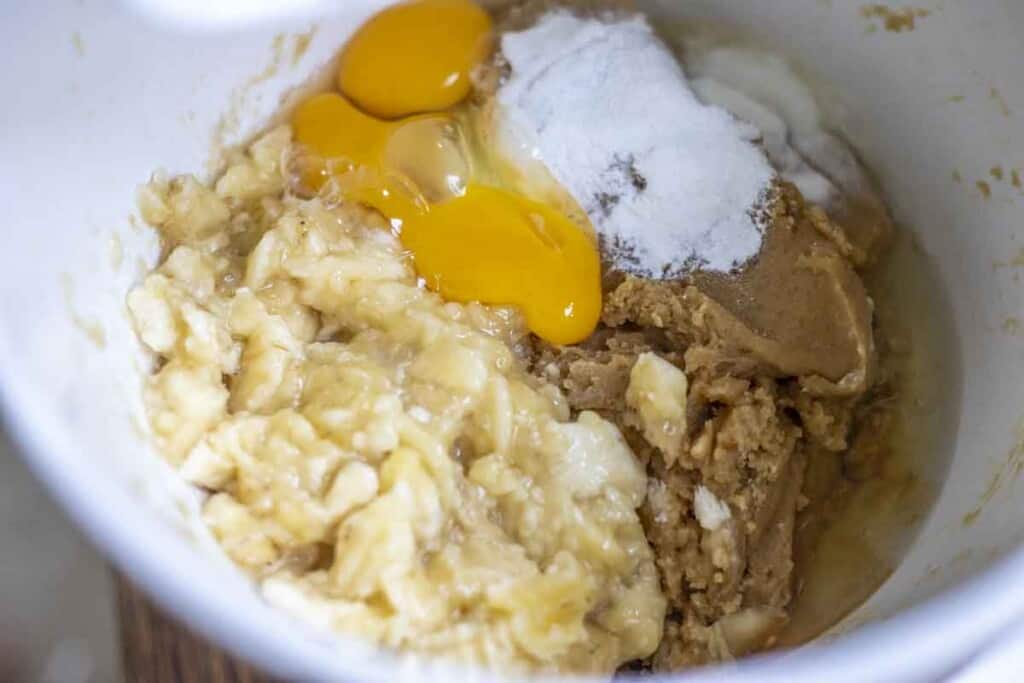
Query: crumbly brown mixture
782	370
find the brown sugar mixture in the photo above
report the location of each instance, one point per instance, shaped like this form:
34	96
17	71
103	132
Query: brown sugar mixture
781	370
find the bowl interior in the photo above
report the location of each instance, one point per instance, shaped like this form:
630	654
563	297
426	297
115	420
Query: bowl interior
109	98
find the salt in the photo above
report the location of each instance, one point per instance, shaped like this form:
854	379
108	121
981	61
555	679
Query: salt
669	183
763	89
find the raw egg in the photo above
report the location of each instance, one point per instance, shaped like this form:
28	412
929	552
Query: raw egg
472	235
415	57
497	247
396	167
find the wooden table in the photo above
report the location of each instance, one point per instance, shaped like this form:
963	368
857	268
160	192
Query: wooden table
158	650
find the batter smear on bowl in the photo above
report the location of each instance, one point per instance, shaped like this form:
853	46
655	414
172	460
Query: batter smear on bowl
537	363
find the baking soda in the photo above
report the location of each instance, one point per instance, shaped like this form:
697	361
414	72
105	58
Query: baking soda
669	183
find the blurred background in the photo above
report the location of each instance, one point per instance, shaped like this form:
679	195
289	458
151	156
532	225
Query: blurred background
57	607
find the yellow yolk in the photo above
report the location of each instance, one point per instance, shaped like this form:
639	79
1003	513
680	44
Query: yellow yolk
469	241
493	246
332	128
414	160
415	57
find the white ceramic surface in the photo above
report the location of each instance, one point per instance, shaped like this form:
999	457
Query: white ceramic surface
96	99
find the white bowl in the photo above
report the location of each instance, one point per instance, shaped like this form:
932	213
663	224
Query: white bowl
96	99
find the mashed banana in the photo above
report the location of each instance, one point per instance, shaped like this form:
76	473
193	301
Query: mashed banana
376	458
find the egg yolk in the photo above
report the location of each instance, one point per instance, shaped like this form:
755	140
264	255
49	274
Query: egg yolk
415	57
396	167
493	246
469	241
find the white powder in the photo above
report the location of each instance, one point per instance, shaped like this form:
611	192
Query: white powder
762	89
668	182
774	138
